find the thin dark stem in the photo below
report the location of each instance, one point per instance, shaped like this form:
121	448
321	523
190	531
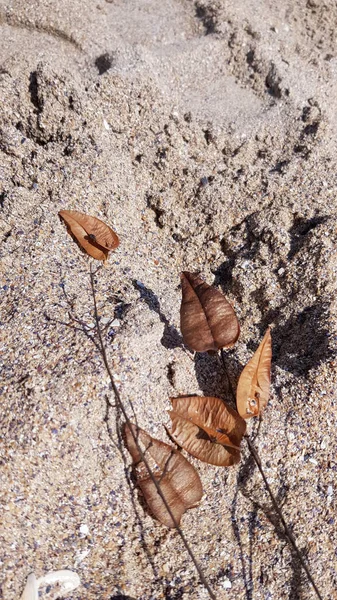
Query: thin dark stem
152	477
277	508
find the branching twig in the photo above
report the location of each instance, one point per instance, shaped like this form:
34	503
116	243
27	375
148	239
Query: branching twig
152	477
277	508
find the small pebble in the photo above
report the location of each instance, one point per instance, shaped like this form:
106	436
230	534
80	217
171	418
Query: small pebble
81	556
84	529
226	584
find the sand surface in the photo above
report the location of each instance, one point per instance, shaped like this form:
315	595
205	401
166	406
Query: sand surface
204	132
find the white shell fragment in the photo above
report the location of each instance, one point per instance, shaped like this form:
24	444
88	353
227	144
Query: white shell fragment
84	529
226	584
68	581
31	590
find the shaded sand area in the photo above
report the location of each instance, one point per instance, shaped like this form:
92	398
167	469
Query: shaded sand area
204	133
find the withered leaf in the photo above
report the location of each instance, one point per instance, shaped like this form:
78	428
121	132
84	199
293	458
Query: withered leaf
208	429
253	388
178	479
94	236
207	320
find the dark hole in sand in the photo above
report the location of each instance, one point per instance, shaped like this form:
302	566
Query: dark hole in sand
103	63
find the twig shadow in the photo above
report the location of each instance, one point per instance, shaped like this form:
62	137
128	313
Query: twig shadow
121	597
245	473
81	326
119	445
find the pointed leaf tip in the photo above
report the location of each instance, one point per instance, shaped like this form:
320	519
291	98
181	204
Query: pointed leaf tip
93	235
253	389
178	479
207	320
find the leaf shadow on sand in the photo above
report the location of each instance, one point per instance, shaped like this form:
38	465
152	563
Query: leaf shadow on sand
302	341
212	379
171	337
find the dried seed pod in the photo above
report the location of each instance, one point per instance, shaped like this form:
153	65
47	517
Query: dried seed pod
253	389
207	320
208	429
178	479
94	236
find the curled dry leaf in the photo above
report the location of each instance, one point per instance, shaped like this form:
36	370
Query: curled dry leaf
207	320
94	236
253	388
208	429
178	479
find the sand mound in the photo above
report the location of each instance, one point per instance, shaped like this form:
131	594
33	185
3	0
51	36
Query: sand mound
204	134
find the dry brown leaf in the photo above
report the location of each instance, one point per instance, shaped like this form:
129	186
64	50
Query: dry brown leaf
179	481
207	320
252	392
94	236
208	429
